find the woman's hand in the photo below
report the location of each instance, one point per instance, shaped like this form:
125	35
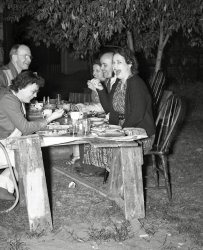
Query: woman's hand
94	84
97	84
55	115
91	85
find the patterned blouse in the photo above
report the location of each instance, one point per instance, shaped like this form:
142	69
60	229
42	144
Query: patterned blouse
119	98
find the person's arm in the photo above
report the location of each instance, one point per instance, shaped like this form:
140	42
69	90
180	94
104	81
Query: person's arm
136	102
12	108
104	100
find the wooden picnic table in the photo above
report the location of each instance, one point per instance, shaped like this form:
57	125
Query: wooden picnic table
125	184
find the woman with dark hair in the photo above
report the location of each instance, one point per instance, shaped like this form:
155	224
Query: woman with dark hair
13	120
98	77
12	111
129	102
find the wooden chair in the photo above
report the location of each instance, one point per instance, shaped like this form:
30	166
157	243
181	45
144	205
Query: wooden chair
166	123
157	86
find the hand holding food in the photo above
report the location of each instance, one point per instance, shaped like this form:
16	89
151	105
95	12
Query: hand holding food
97	84
55	115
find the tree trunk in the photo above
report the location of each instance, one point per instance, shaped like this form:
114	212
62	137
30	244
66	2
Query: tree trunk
130	41
1	37
161	46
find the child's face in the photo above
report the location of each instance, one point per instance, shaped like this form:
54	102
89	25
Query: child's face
97	72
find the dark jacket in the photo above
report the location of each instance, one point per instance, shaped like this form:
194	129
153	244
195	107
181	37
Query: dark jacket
3	77
138	105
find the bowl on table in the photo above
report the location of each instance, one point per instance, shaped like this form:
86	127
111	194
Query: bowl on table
75	115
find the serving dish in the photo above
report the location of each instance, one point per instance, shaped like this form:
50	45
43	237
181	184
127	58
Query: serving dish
52	132
96	119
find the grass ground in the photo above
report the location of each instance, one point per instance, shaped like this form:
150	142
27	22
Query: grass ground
83	219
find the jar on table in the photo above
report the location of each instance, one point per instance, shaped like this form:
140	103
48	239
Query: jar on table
83	126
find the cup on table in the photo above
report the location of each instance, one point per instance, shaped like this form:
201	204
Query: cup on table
83	127
75	115
86	126
39	105
46	113
74	123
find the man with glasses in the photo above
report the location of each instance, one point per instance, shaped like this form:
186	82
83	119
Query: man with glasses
20	59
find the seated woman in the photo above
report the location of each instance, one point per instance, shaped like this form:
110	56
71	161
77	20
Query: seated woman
13	121
98	77
129	103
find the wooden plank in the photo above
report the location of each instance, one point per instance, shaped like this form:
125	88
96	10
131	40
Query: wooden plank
131	162
31	164
115	175
125	182
22	200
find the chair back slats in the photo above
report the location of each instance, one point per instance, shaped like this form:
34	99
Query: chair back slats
79	97
166	122
157	85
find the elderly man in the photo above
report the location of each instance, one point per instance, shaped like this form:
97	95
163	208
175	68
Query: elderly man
20	59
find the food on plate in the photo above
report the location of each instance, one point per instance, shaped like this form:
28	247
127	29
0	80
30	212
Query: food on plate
134	131
55	132
111	134
57	125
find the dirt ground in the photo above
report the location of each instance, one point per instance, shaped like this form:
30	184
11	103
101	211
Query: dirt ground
83	219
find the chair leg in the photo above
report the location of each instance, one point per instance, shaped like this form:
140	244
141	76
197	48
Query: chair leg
154	169
166	176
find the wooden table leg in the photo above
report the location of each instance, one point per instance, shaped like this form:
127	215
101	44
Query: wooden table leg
32	173
126	181
22	201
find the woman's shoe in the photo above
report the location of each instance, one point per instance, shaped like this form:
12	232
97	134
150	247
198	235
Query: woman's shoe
72	161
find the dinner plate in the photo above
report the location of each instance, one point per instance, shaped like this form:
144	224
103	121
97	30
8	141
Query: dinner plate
111	134
114	126
134	131
58	126
51	133
96	119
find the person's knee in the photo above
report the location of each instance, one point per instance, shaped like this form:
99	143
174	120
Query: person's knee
6	183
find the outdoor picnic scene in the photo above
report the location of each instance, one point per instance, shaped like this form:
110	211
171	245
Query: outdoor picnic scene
101	125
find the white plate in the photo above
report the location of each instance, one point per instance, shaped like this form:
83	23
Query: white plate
58	126
52	133
111	134
135	131
96	119
114	126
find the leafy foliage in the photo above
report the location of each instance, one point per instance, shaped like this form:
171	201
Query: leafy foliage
86	25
